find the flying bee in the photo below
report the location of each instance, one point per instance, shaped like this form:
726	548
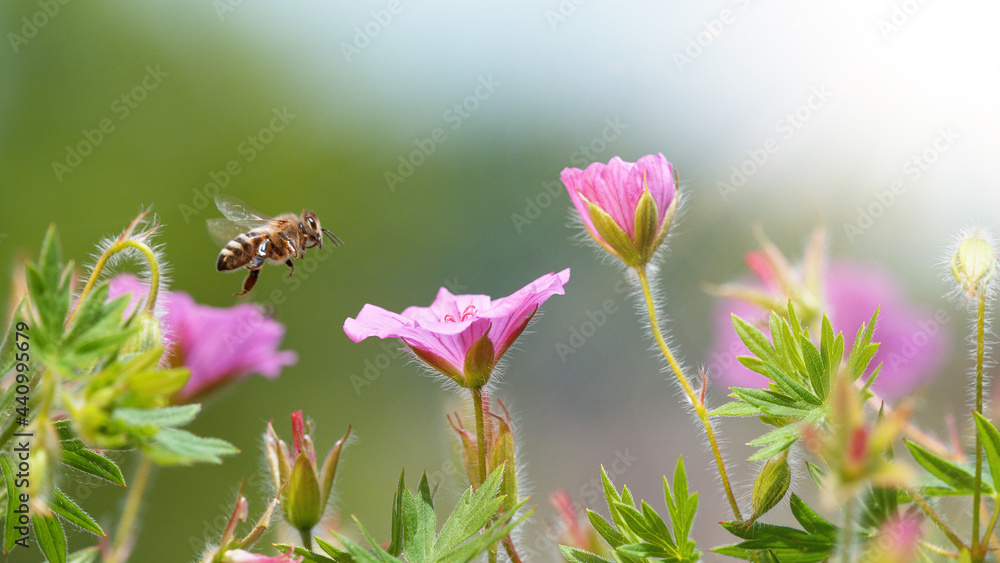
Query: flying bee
252	238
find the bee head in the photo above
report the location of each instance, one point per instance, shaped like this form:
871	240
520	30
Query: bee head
310	225
314	232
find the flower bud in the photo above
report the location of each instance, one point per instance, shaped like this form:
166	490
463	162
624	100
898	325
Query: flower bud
304	488
974	263
771	484
149	336
499	439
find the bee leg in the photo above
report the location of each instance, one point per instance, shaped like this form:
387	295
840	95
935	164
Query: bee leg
291	246
260	257
249	282
290	265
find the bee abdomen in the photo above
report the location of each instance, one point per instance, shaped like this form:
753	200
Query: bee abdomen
235	254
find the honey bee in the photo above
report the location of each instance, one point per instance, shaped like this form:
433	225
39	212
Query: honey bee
252	238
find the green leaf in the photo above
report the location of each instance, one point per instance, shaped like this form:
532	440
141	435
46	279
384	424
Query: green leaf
338	555
990	438
955	476
605	529
810	520
471	513
818	376
755	340
574	555
8	350
50	537
312	557
682	506
396	545
774	442
419	523
159	417
10	535
65	507
772	403
173	446
93	463
736	408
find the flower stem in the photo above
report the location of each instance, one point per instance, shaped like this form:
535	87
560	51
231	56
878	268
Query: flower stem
126	526
307	541
696	401
929	511
115	248
477	400
508	546
980	351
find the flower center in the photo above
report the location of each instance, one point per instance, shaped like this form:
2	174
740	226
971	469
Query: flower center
466	313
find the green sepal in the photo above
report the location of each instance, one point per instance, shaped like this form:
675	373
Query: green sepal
479	362
301	495
612	236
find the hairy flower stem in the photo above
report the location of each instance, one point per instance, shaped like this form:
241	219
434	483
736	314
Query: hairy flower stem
116	247
696	401
477	402
980	352
929	511
126	526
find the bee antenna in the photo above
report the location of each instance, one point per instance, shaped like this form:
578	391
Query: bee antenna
333	238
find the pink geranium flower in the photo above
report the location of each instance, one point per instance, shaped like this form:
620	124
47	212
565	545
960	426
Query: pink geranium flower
461	336
626	207
218	345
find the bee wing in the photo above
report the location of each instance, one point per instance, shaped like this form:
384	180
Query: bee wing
223	230
240	212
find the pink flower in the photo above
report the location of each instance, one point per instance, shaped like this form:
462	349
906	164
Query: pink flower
461	336
913	339
241	556
218	345
627	207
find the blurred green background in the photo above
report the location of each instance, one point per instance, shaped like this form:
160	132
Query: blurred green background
850	93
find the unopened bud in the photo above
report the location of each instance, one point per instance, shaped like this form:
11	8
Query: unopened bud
771	484
974	263
149	336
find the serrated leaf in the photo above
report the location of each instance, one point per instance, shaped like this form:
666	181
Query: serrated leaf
682	505
574	555
491	535
471	513
50	537
953	475
65	507
396	544
793	388
419	523
990	438
173	446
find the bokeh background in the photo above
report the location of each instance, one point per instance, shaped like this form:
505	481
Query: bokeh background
846	93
